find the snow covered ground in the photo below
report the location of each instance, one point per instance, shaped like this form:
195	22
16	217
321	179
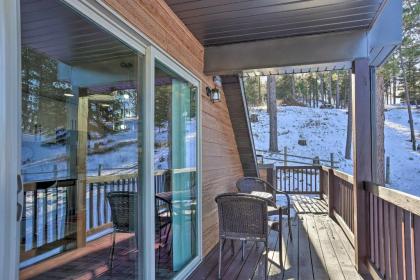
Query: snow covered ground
325	132
117	153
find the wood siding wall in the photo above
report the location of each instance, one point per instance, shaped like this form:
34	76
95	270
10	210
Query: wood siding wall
221	162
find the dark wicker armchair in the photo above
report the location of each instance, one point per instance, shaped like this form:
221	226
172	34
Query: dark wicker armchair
123	213
250	184
242	217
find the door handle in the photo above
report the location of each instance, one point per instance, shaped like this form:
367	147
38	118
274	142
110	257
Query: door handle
19	204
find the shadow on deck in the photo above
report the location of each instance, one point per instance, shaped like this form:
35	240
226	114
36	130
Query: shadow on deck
319	250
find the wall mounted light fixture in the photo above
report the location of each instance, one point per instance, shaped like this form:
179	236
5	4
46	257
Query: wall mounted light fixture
215	93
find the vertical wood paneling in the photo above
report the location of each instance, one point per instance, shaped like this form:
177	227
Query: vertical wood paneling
362	157
400	243
393	238
408	244
387	255
416	220
221	163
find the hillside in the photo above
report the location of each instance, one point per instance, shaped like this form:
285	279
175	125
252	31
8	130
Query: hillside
325	133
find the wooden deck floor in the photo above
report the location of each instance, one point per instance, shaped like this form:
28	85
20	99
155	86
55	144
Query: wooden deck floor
319	250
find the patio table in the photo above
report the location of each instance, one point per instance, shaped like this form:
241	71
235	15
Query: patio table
275	225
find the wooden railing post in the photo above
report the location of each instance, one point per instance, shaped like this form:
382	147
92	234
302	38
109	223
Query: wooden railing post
362	158
331	192
271	176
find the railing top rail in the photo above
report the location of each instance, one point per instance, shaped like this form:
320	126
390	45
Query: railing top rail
299	167
401	199
344	176
325	168
109	178
296	156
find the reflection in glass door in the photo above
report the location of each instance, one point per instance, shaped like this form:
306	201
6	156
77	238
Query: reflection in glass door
176	170
81	148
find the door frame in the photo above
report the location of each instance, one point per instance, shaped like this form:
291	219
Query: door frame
10	137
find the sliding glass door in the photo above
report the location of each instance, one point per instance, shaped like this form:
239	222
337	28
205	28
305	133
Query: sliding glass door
110	156
81	148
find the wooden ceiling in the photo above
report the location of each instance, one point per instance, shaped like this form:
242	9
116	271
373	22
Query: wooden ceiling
218	22
52	28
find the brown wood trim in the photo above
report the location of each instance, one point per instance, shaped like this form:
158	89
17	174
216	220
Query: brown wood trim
331	191
346	229
324	168
362	158
403	200
344	176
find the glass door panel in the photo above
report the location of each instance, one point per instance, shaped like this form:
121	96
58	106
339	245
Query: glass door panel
81	148
176	162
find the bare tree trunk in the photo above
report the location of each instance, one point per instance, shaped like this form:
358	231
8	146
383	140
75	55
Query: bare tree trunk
293	87
321	85
394	89
349	119
330	87
310	92
337	94
272	111
259	92
408	101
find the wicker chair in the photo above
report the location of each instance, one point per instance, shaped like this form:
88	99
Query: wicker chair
124	215
163	219
242	217
250	184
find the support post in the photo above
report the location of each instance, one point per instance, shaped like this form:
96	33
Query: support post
271	175
362	158
331	192
82	130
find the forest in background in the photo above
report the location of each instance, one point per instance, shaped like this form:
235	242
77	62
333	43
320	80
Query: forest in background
332	89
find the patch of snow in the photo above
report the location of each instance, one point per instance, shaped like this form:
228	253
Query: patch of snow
325	132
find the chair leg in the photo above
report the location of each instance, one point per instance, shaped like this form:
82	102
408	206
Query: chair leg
290	226
111	255
243	250
220	258
232	247
266	260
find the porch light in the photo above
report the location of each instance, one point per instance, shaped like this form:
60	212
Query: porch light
214	94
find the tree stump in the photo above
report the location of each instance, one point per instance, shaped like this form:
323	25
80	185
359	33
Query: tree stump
302	142
253	118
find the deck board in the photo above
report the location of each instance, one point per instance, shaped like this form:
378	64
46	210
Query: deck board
319	250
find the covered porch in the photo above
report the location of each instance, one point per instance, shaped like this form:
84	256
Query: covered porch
343	226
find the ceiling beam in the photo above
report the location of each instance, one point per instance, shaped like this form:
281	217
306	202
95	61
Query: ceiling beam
376	44
284	52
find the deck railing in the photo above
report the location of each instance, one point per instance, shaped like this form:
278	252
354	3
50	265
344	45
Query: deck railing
394	233
339	189
298	179
49	219
393	222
